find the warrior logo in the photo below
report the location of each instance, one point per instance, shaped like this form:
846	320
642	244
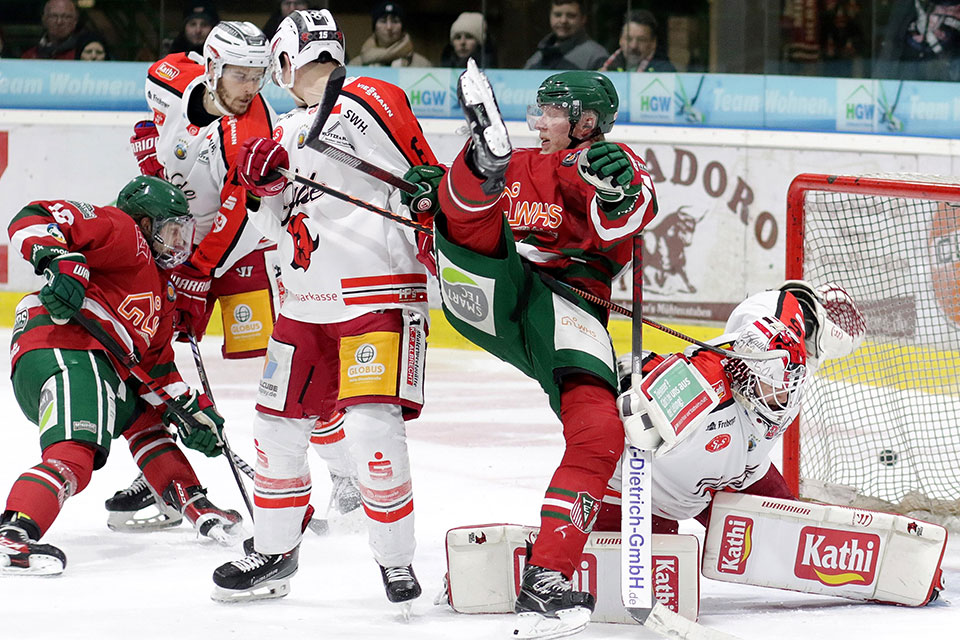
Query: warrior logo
303	244
667	257
735	545
836	558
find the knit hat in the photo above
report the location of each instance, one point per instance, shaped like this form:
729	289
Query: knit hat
387	8
470	22
205	10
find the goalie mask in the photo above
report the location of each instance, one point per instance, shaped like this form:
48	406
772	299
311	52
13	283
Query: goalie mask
769	389
235	44
303	37
170	228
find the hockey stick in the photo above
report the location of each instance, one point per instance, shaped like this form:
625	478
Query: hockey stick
316	525
131	362
330	94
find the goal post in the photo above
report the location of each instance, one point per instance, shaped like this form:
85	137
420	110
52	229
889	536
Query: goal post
881	428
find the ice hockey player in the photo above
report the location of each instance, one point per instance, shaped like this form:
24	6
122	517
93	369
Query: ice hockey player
351	333
101	262
203	110
515	227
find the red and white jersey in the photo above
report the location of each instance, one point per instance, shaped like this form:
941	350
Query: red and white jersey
558	226
339	261
728	452
197	155
127	294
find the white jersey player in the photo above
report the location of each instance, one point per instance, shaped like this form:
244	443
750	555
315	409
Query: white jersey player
728	449
350	335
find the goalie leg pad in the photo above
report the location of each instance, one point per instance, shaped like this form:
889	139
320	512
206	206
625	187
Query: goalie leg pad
824	549
485	564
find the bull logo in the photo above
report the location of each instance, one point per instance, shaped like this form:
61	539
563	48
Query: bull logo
664	250
303	244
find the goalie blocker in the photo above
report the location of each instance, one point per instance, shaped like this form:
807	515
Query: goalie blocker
824	549
485	563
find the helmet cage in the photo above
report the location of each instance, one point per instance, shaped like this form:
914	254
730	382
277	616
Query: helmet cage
172	241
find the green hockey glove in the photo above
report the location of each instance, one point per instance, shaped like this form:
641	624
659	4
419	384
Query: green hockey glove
427	178
67	279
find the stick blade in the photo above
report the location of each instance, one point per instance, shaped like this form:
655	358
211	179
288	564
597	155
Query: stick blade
330	94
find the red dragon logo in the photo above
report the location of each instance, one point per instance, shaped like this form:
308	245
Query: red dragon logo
303	244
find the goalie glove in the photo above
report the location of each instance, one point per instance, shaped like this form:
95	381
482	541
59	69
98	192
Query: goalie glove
637	426
205	437
67	278
833	324
143	142
257	162
608	168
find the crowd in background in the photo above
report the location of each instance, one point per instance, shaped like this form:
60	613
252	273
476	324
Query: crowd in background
919	41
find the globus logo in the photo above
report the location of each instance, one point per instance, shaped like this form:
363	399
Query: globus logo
837	558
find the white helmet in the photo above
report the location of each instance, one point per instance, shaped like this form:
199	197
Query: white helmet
237	43
770	390
306	36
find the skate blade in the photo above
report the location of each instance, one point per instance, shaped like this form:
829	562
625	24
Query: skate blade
533	626
319	526
129	522
406	610
269	590
475	91
40	565
226	536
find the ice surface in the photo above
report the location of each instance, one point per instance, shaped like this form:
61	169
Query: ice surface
482	451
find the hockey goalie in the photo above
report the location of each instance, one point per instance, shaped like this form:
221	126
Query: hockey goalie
716	468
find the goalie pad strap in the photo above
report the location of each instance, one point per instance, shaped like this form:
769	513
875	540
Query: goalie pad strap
824	549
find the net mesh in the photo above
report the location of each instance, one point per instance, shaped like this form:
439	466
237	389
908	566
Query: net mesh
881	428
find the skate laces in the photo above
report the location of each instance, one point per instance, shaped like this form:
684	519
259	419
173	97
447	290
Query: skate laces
251	561
547	581
398	574
139	484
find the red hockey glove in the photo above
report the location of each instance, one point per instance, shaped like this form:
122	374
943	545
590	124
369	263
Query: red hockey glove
67	278
192	288
144	145
425	253
257	161
205	438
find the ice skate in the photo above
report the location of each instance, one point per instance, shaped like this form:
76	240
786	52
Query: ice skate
401	586
137	508
221	525
344	494
256	576
548	607
491	149
20	554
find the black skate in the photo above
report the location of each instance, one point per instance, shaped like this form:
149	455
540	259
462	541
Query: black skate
21	554
490	149
317	526
548	607
125	505
401	586
256	576
344	494
222	525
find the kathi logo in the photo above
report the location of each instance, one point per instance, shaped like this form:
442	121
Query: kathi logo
365	357
736	543
836	558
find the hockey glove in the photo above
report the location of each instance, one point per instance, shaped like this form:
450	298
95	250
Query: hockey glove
257	162
205	437
608	168
192	287
426	200
67	279
636	424
144	145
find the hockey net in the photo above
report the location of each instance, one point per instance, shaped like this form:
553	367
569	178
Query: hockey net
880	429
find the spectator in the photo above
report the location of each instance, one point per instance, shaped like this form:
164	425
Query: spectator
198	19
286	8
638	46
389	45
60	34
92	47
567	46
468	39
921	42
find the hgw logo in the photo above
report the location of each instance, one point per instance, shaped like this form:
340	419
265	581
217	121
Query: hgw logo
736	543
836	558
430	94
654	102
858	110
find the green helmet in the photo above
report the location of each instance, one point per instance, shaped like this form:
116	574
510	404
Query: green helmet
171	232
579	91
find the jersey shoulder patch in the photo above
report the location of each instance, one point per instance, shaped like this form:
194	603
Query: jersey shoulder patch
174	72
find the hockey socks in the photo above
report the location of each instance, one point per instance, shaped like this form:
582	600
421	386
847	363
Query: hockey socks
160	459
41	491
594	443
